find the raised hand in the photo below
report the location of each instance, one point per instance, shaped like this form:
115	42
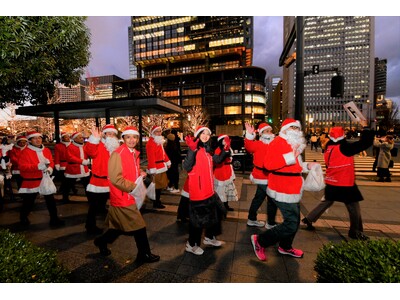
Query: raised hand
191	143
249	128
227	141
96	132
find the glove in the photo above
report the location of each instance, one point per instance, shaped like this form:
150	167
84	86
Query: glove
85	162
57	167
312	165
191	144
42	166
227	143
49	170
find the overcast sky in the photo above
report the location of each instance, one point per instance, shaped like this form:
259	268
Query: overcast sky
109	49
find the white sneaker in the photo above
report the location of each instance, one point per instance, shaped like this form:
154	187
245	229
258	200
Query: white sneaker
212	242
269	226
255	223
195	249
175	191
169	189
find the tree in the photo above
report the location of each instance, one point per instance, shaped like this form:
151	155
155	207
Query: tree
194	117
35	52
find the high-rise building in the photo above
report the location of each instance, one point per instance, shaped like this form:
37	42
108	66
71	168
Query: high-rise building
198	61
100	87
380	79
342	43
270	86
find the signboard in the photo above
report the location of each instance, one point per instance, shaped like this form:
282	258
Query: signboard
353	111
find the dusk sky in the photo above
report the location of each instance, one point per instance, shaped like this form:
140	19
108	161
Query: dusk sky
109	47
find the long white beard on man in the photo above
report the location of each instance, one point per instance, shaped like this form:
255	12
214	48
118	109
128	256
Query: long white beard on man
111	143
267	138
159	139
296	140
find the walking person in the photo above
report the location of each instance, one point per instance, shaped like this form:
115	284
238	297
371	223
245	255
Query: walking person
259	175
124	218
285	187
314	142
385	145
224	176
35	160
157	163
174	154
340	179
204	209
99	147
15	153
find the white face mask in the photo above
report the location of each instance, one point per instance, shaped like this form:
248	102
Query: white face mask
267	138
111	143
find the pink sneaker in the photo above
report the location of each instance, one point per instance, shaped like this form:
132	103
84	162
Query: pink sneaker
292	252
258	250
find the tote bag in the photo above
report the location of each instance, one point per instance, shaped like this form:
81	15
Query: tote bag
314	181
47	186
139	193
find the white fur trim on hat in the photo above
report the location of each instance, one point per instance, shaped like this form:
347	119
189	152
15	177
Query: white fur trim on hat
200	129
130	131
222	137
154	129
260	130
32	134
289	124
109	128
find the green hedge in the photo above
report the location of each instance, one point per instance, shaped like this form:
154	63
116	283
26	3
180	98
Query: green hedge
376	261
21	261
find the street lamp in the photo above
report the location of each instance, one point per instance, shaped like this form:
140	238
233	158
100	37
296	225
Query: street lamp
310	120
368	112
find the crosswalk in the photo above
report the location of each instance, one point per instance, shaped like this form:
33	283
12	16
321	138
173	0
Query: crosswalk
363	165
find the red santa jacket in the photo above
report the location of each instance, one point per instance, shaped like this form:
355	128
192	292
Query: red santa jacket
285	183
185	189
157	159
259	175
339	168
223	172
130	171
14	155
60	155
30	158
75	157
99	154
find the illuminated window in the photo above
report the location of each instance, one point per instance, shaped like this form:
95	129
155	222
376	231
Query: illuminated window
232	110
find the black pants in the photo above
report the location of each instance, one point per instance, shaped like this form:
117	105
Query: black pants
28	201
173	176
183	208
258	200
140	236
195	233
97	204
383	172
18	180
70	182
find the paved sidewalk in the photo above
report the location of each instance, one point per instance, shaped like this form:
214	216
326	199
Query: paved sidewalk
235	262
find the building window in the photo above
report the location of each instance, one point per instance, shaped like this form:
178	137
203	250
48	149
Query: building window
232	110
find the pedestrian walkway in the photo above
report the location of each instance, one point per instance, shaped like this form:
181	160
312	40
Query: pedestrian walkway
235	262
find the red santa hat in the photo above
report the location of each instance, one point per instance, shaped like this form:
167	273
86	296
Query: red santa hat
75	135
288	123
154	128
109	128
263	126
221	136
21	138
130	130
63	133
336	134
31	134
199	129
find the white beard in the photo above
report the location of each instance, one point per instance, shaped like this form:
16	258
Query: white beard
296	140
267	138
111	143
158	139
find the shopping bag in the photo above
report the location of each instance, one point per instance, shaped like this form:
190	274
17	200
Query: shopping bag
314	181
139	193
151	191
47	186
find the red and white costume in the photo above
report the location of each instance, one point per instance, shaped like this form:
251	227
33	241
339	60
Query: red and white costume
77	160
60	154
97	151
259	149
285	182
15	153
157	159
31	166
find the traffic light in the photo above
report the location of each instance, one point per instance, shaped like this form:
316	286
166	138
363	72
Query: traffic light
315	69
337	86
269	120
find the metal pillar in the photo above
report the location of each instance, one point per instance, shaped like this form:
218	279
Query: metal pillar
57	126
299	100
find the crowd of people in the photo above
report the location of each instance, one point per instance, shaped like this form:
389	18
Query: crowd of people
109	171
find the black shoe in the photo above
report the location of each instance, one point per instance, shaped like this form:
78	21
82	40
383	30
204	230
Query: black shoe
227	207
147	258
358	236
158	205
102	247
182	220
94	230
380	180
388	179
25	222
57	223
308	223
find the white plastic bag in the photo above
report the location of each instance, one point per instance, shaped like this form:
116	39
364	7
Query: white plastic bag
47	186
151	191
314	181
139	193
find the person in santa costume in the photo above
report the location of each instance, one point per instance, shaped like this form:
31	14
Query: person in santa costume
340	179
35	160
21	142
77	164
285	187
99	147
205	207
124	218
157	163
60	161
224	176
259	175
